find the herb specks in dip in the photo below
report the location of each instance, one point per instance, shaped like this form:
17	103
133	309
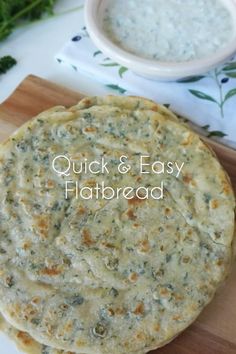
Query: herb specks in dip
169	30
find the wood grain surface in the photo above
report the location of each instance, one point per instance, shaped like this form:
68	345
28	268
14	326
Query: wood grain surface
214	332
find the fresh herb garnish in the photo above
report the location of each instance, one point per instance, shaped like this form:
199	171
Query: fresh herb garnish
6	63
11	11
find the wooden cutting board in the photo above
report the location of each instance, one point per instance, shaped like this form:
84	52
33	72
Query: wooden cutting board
214	332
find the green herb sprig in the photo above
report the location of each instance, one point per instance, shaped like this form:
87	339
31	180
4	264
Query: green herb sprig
11	11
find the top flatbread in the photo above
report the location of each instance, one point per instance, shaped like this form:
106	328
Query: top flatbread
120	276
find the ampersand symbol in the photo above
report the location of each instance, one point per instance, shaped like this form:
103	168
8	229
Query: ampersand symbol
123	168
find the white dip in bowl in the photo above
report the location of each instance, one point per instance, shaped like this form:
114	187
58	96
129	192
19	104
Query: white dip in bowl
165	39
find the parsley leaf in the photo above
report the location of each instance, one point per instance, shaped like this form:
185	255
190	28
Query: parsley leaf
11	11
6	63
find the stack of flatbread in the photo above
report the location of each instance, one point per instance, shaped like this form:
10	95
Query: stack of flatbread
109	276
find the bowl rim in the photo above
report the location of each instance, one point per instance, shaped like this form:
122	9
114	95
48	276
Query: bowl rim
151	67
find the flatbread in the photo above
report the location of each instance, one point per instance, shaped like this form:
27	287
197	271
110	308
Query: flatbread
26	343
100	276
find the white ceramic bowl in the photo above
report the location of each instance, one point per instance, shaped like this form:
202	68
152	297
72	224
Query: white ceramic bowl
153	69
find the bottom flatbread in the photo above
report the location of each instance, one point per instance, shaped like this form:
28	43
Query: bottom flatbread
25	342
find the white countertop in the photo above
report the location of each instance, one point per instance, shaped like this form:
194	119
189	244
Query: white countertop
34	46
